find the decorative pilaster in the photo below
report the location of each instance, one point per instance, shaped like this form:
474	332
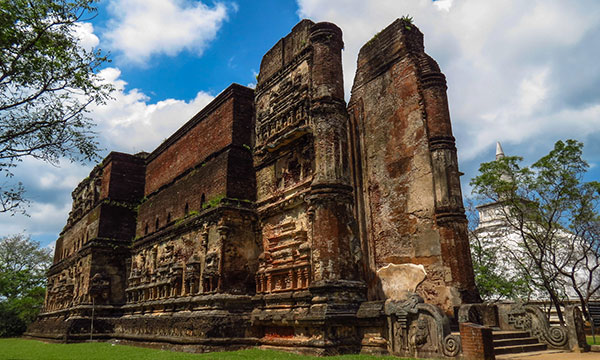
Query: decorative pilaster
331	199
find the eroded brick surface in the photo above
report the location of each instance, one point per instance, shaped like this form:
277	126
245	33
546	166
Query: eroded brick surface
406	168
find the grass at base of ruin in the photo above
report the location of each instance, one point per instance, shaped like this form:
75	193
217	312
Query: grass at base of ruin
22	349
590	340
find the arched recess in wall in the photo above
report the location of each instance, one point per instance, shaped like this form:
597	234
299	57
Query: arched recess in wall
186	210
156	224
202	201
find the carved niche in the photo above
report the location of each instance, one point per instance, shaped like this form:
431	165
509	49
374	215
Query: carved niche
419	329
285	263
283	105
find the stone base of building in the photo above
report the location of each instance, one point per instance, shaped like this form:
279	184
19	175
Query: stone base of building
307	322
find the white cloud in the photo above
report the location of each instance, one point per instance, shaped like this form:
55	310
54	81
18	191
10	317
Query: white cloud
85	33
522	72
142	28
130	124
49	188
44	218
443	4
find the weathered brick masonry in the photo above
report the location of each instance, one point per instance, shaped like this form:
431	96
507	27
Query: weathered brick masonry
280	217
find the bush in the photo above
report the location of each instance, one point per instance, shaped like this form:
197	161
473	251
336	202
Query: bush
11	324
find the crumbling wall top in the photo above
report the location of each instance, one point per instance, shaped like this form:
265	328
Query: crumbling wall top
390	44
286	49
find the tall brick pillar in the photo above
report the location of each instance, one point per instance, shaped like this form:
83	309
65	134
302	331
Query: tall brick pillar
335	241
449	210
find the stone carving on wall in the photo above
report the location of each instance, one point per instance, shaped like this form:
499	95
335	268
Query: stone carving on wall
419	329
288	105
179	267
531	318
295	166
85	196
65	289
100	287
576	329
285	263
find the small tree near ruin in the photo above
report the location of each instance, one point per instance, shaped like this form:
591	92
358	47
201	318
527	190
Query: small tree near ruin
495	277
551	218
23	266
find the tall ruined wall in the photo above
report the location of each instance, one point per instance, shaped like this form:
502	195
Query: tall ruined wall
406	170
310	263
103	204
94	242
304	194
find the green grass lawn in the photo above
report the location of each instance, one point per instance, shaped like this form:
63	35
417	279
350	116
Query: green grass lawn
590	340
20	349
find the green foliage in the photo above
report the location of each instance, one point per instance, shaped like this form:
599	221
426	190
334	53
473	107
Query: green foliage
408	21
493	282
213	202
47	80
23	268
187	216
10	322
19	349
553	216
489	265
122	204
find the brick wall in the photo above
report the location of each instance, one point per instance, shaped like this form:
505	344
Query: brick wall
205	182
241	179
210	131
76	236
125	175
477	342
410	210
208	158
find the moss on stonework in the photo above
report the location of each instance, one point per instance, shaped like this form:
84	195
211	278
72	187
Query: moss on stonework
187	216
121	204
213	202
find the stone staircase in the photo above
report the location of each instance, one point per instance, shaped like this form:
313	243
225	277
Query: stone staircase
512	342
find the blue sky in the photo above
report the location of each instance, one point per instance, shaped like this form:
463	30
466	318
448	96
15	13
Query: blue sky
525	73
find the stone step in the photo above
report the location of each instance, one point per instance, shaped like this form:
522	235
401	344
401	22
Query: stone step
515	341
533	354
519	348
507	334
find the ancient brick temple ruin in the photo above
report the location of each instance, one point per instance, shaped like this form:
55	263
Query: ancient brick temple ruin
281	217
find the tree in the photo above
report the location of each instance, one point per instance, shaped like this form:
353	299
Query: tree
552	215
23	266
495	277
47	80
